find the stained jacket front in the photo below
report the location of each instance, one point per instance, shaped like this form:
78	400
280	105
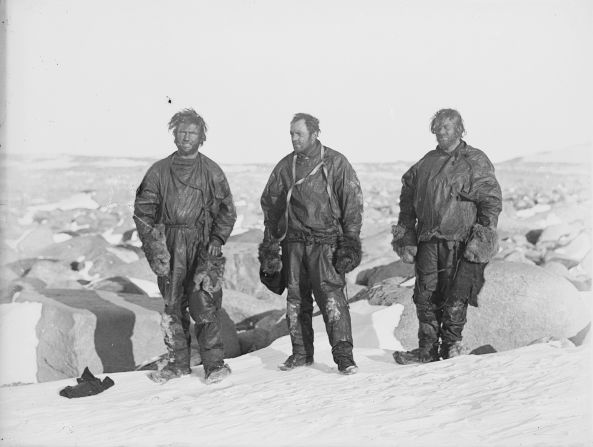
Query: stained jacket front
326	204
444	194
185	193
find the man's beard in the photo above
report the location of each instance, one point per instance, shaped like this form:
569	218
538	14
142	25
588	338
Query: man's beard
183	151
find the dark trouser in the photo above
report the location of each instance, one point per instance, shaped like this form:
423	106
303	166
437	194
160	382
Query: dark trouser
440	313
311	271
181	301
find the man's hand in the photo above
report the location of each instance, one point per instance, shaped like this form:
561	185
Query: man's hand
214	247
404	243
155	249
269	256
348	255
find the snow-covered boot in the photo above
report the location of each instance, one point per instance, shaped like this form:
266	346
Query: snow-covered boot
418	355
217	373
294	361
454	350
347	366
167	373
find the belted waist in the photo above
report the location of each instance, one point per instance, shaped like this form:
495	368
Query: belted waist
193	227
310	239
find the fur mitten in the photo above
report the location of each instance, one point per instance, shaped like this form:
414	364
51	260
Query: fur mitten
209	274
404	243
482	244
155	248
348	255
269	256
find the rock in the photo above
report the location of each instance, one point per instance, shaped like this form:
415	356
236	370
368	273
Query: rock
533	236
108	332
138	269
386	293
573	253
7	275
553	233
254	339
241	306
34	240
557	268
377	274
554	341
582	336
55	274
86	247
587	262
118	284
7	253
519	303
518	256
260	331
265	320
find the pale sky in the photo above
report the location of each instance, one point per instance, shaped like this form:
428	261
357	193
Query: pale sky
96	77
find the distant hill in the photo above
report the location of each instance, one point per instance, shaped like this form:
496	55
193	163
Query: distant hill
577	154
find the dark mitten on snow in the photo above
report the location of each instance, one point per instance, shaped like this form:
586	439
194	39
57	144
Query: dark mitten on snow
88	385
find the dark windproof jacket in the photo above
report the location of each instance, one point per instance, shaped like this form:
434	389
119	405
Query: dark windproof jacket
444	195
182	193
327	203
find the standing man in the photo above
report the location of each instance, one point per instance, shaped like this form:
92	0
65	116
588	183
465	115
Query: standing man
312	207
449	206
184	213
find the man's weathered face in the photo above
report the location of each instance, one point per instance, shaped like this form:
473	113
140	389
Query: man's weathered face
187	139
447	134
302	140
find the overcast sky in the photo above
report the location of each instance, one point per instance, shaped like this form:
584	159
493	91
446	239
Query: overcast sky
104	77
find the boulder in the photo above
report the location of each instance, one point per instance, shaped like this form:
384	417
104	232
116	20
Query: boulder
573	253
552	234
386	293
108	332
34	240
86	248
242	269
377	274
118	284
557	268
241	306
519	303
55	274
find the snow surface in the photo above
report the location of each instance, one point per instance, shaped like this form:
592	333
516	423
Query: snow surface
536	395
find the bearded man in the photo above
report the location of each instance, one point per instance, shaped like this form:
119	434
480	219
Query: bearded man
184	213
312	207
449	206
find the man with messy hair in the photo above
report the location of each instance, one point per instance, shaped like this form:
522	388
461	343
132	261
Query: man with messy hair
184	213
449	206
312	207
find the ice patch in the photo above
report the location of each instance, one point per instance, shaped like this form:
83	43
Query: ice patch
540	208
384	322
61	237
81	200
124	254
149	287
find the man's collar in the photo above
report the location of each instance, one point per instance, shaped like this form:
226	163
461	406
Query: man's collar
455	151
314	152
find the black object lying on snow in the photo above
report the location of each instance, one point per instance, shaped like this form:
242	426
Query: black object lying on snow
88	385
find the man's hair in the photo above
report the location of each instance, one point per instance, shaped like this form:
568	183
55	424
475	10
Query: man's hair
444	114
311	122
189	116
